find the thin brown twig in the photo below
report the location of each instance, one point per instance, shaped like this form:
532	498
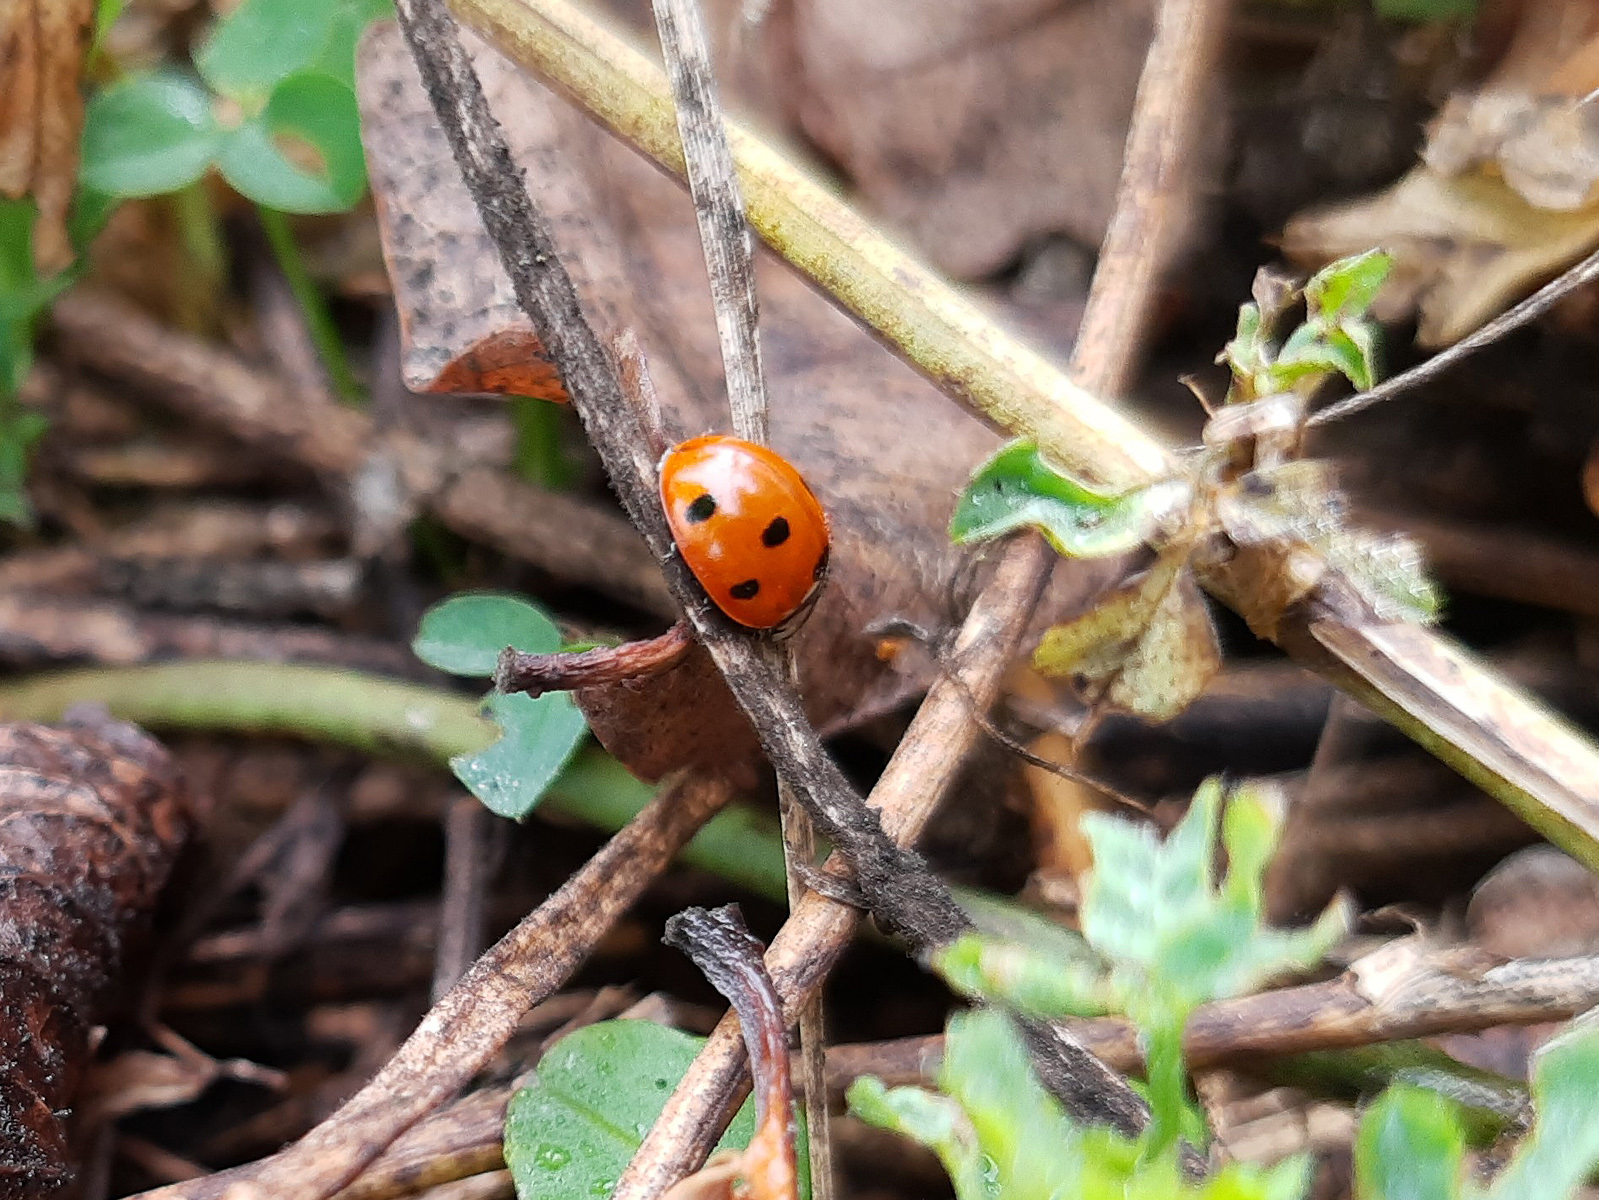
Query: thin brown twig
930	754
1529	310
729	251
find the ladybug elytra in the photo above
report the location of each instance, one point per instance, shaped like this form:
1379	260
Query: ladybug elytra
749	528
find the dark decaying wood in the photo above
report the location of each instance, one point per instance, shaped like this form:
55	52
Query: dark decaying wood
92	816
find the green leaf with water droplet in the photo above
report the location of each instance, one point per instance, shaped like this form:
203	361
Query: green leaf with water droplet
571	1132
1019	488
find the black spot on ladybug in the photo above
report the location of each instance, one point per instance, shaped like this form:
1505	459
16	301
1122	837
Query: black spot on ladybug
821	564
746	590
776	533
701	508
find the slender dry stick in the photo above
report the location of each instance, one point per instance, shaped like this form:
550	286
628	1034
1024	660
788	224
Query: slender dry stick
1530	309
933	748
463	1032
1525	756
730	262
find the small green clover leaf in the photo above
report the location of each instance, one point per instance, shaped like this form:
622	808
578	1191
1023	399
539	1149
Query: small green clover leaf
302	153
1017	488
464	636
148	135
262	42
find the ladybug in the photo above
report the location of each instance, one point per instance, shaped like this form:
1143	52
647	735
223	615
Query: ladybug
747	525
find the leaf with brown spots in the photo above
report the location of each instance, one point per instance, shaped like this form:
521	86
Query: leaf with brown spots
884	451
92	816
42	48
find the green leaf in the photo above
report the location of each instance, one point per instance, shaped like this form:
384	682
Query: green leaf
1410	1147
1033	979
1345	289
539	734
571	1132
1426	10
1174	938
148	135
303	153
1018	488
464	634
1036	1151
936	1122
263	42
350	19
1563	1148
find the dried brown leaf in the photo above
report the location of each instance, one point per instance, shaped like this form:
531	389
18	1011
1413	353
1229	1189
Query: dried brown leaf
42	48
974	127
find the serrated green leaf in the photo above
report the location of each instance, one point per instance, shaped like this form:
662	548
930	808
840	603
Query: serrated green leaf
465	633
148	135
262	42
302	154
1025	977
1410	1147
986	1070
1174	938
571	1132
1018	488
538	735
936	1122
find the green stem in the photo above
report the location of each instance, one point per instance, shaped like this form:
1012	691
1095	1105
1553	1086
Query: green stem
313	307
1169	1107
538	458
203	244
385	717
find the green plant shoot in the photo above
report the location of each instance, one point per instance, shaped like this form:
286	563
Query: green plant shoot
1162	937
